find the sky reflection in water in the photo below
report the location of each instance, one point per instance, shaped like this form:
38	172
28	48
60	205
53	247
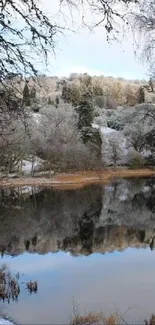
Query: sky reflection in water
99	218
97	282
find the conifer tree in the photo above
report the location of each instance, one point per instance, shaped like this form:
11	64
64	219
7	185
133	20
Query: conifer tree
26	95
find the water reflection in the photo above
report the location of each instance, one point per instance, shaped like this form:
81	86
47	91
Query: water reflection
92	219
80	226
97	283
9	286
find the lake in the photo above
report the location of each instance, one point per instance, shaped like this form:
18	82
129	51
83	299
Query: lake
93	247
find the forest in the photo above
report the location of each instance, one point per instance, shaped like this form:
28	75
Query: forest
111	123
51	124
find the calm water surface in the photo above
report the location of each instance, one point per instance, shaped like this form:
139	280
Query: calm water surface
93	246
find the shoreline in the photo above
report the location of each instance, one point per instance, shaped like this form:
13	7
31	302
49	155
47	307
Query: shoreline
76	179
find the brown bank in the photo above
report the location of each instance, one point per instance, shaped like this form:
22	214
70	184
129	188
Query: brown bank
76	180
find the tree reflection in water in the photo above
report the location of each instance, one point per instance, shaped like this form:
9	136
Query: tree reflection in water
94	219
10	287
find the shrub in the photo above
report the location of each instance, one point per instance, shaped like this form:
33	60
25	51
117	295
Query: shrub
100	101
111	103
100	120
115	120
136	160
150	160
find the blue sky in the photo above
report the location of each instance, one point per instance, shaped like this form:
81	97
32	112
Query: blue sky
84	51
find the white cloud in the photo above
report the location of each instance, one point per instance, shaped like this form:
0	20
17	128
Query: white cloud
83	51
78	69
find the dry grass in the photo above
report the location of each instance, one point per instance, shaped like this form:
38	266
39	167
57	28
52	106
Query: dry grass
151	321
76	180
96	319
90	318
100	319
112	320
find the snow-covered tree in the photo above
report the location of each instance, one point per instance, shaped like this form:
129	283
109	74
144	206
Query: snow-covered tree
135	134
117	119
116	151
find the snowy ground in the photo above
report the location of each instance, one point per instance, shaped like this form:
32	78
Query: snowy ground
112	140
4	321
30	165
37	117
107	131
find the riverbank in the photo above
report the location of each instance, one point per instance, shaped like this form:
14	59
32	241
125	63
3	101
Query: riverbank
76	180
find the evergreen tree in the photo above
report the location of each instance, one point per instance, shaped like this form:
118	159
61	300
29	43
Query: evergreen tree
85	111
65	92
26	95
74	95
141	95
33	93
50	102
57	101
57	85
